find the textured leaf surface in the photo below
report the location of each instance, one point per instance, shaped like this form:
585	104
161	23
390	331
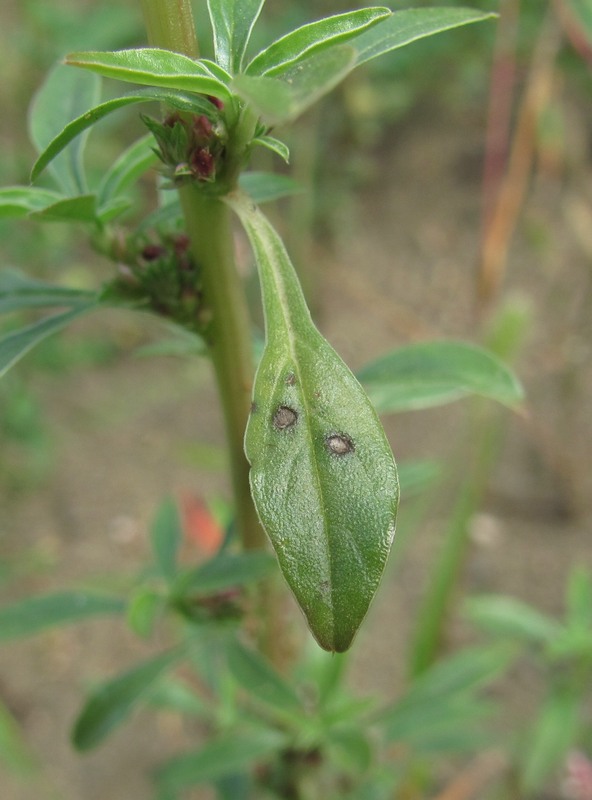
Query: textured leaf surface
153	67
232	23
313	37
38	613
432	373
323	476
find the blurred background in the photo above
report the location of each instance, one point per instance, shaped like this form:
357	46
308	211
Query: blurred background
447	194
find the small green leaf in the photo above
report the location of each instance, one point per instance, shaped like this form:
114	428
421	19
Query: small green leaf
18	201
153	67
232	23
111	704
432	373
505	616
313	38
226	571
144	607
254	674
407	26
263	187
173	694
166	536
14	345
179	100
14	752
322	475
71	209
275	145
235	752
302	84
65	95
18	291
131	164
39	613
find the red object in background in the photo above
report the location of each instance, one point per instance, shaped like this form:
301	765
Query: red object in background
578	780
200	526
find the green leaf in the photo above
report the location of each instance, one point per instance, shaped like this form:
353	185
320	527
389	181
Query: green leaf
505	616
173	694
232	23
18	201
235	752
254	674
350	748
416	476
131	164
71	209
314	37
178	100
407	26
153	67
18	291
579	600
432	373
14	752
111	704
166	535
46	611
66	94
275	145
225	571
263	187
16	344
322	475
302	84
144	607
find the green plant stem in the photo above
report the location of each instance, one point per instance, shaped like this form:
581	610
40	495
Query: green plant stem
169	24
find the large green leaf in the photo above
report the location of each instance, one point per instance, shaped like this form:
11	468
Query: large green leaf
166	535
38	613
322	475
179	100
66	94
131	164
113	702
153	67
232	23
432	373
314	37
227	755
14	345
18	291
18	201
261	680
407	26
302	84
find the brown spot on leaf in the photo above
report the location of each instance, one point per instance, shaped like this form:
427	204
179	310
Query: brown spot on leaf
339	444
285	417
290	379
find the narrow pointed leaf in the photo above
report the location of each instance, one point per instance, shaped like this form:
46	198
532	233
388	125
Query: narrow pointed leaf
65	95
432	373
232	23
302	84
275	145
131	164
322	475
153	67
166	535
226	571
18	201
407	26
263	187
179	100
508	617
14	345
18	291
14	751
82	208
36	614
111	704
314	37
260	679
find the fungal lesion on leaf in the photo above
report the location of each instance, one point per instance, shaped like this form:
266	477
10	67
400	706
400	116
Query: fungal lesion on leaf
284	418
290	379
339	444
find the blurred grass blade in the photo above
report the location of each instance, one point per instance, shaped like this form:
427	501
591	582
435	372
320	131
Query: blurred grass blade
35	614
323	477
18	201
264	187
111	704
18	291
407	26
166	535
14	753
91	115
65	95
226	571
507	617
254	674
15	345
433	373
579	599
131	164
314	37
279	100
235	752
152	66
232	23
